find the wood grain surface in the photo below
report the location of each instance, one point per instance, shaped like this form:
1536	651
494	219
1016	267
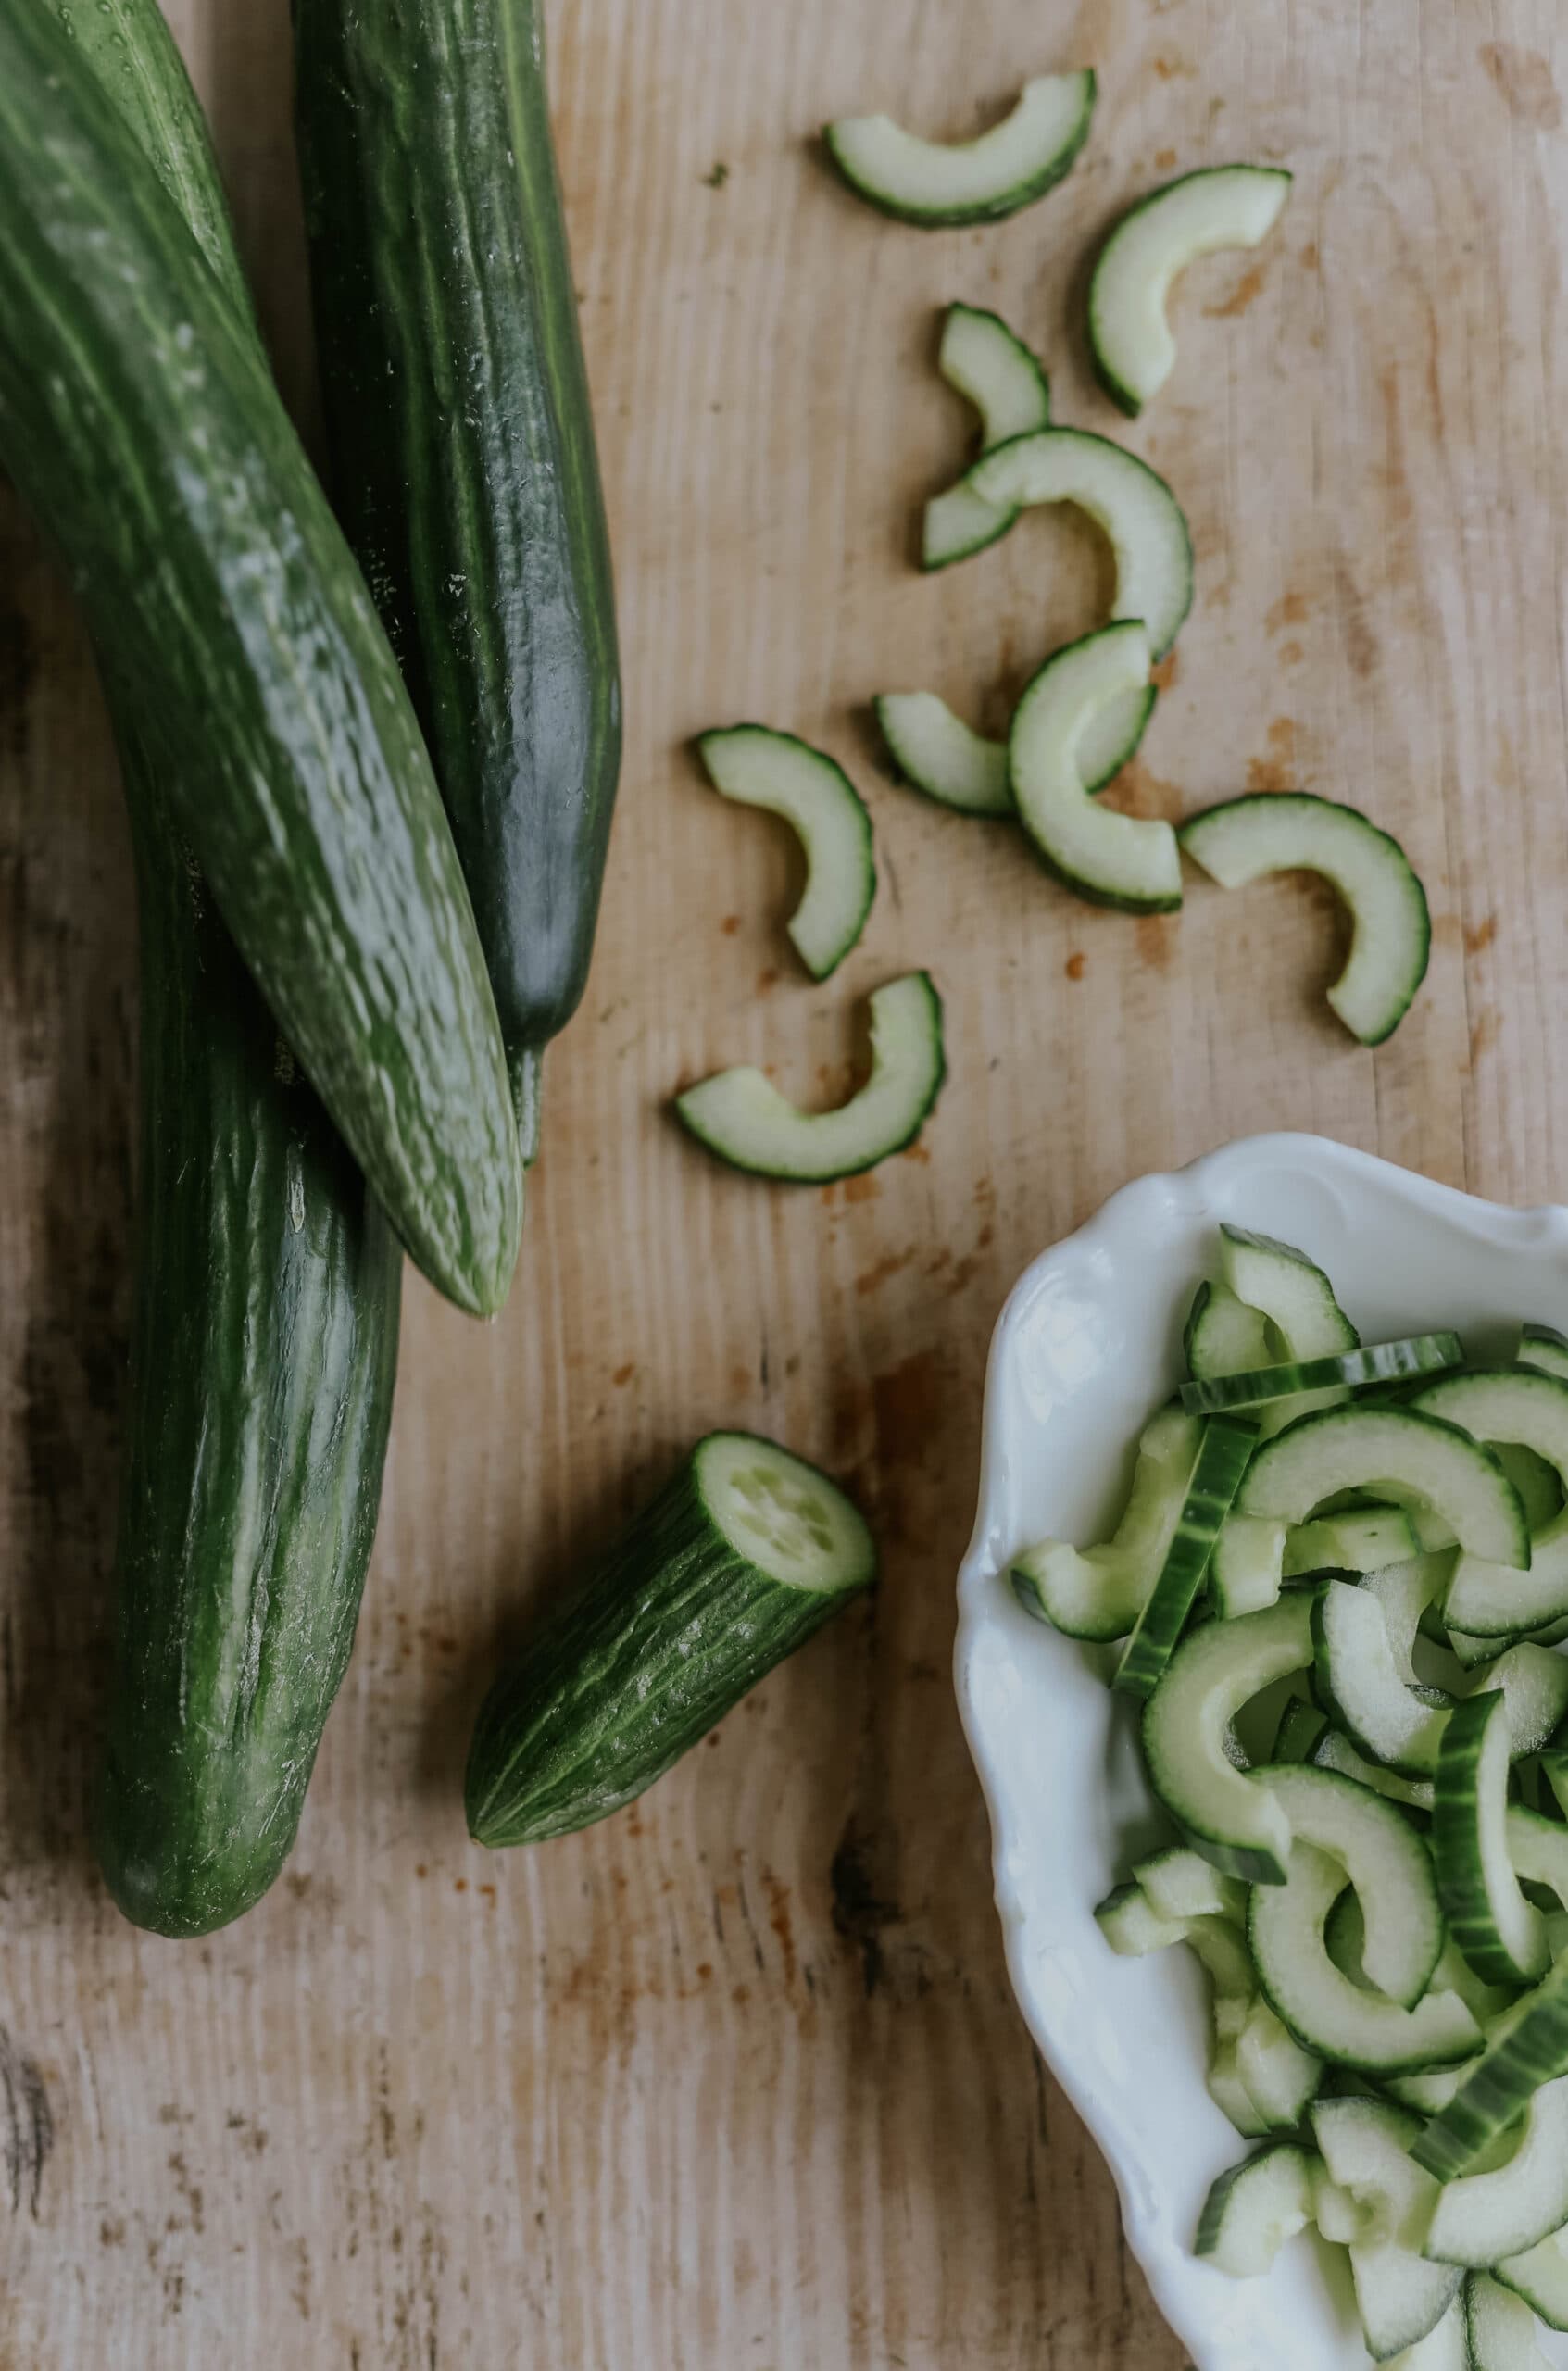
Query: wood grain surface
733	2082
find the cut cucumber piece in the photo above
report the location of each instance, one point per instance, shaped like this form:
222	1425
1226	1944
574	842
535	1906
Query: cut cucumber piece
1253	2209
1379	1540
1222	1334
757	767
983	360
1447	2347
1406	1593
1527	2048
1290	1289
1248	1566
1499	2329
1534	1683
1293	830
740	1116
1235	1822
1348	1449
1179	1883
1365	2146
1224	206
1133	1926
1543	1347
1126	861
1388	1867
1300	1732
1222	1460
1481	2217
1554	1770
1134	506
1098	1593
1416	1354
1501	1934
1541	2277
1280	2076
1333	1751
1326	2010
1536	1480
1528	1411
935	751
1359	1681
939	184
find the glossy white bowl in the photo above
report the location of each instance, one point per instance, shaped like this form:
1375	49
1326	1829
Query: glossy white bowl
1087	1347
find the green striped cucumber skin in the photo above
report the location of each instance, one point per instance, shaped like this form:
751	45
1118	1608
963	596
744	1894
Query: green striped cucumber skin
1222	1460
263	1357
669	1633
1417	1354
1455	1817
281	728
463	458
1533	2049
265	1329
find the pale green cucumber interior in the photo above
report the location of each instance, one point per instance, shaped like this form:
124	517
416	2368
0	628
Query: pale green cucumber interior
1122	495
1233	206
1133	857
781	1515
756	766
944	180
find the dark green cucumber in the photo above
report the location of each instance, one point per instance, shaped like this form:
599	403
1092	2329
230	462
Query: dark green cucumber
743	1554
463	462
1528	2047
1222	1454
265	1335
1416	1354
142	429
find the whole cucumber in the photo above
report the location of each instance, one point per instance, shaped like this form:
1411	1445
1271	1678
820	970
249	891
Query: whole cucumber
463	459
143	431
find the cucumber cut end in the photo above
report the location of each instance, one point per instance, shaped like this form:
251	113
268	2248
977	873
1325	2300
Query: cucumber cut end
938	753
1125	861
1224	206
937	184
755	766
783	1515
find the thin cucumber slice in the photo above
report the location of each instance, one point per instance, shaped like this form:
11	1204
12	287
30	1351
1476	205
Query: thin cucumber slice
1365	2146
1541	2277
1340	2218
740	1116
1222	1460
1480	2219
1447	2347
1501	1934
1534	1683
1528	2047
1179	1883
1245	2028
1223	1334
1416	1354
1499	2329
1231	2095
757	767
938	753
1528	1411
1348	1449
1125	861
1280	2076
1290	1289
1543	1347
1554	1770
1378	1540
939	184
1224	206
1134	506
1098	1593
981	358
1326	2010
1536	1480
1133	1926
1335	1751
1253	2209
1406	1591
1300	1732
1248	1566
1359	1681
1387	1865
1295	830
1239	1826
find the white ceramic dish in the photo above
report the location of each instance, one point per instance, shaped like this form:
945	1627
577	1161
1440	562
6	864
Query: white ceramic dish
1088	1343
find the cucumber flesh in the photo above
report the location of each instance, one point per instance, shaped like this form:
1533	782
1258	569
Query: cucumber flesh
1541	2277
1253	2209
1248	1566
1125	497
1481	2217
1537	1848
1300	1732
1133	1926
939	184
1447	2347
1348	1449
1098	1593
1359	1681
1528	1411
1365	2146
1499	2329
1221	1460
1527	2048
757	767
1378	1541
938	753
1222	1333
1333	1751
1238	1825
740	1116
1179	1883
1404	1592
1226	205
1280	2076
1295	830
1290	1289
1501	1934
1543	1347
1416	1354
1125	861
1388	1867
981	358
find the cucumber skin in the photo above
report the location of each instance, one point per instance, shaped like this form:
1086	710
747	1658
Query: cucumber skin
281	730
259	1345
463	459
670	1630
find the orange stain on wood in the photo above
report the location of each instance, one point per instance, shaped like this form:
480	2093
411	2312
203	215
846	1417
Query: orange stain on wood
1154	937
864	1188
1524	78
1277	771
1308	258
779	1920
730	925
623	1375
1477	941
1163	159
917	1152
1164	675
766	980
1484	1033
1076	966
1290	609
1241	295
907	1402
829	1194
889	1265
1291	654
1168	69
1136	791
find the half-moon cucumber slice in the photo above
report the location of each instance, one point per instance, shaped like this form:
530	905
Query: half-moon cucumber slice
1225	205
937	184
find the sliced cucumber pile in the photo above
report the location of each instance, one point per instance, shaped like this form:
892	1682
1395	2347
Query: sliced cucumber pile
757	767
740	1116
1127	861
983	360
1382	1894
1228	205
939	184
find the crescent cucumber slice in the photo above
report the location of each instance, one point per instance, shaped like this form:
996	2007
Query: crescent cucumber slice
1133	505
1335	1751
1481	2217
757	767
1240	1826
1358	1677
1499	2329
938	753
1501	1934
1386	1862
1348	1448
1543	1347
1541	2277
1126	861
1447	2347
1296	1298
1529	1410
1366	2145
983	360
1225	205
1253	2209
1098	1593
1226	1445
1248	1566
938	184
1380	1540
1295	830
1414	1354
1528	2047
740	1116
1222	1333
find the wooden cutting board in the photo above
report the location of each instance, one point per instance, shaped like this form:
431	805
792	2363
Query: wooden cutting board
733	2082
